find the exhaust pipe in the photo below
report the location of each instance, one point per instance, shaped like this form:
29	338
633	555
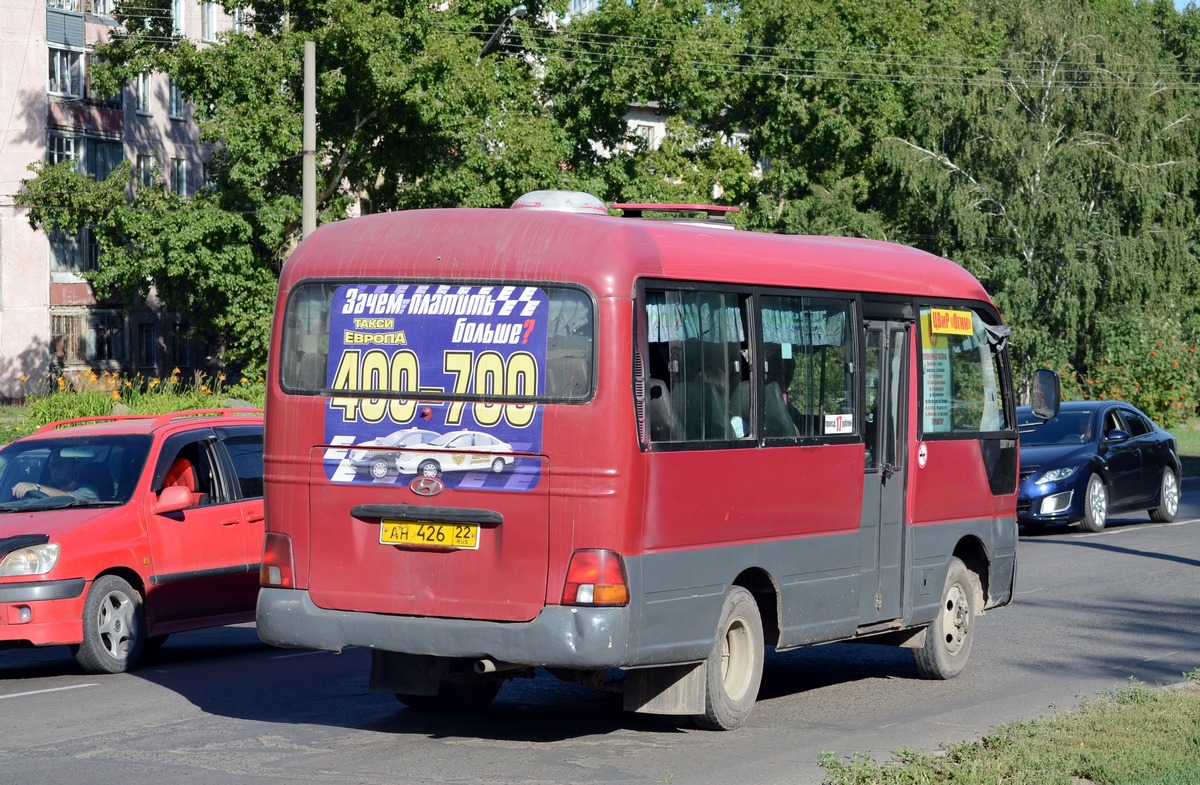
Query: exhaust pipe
488	665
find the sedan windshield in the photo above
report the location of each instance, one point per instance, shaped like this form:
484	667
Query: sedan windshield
1066	428
48	473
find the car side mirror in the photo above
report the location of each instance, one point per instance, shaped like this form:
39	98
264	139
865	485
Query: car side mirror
1046	394
1116	435
172	499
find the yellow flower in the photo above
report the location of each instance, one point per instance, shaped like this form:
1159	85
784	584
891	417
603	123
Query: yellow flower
153	383
116	396
24	378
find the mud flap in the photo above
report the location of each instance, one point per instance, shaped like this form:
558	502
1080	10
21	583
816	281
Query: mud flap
672	689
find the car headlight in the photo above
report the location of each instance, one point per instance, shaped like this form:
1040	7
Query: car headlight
33	560
1055	475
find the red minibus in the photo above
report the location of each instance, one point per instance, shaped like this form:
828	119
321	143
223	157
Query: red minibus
629	450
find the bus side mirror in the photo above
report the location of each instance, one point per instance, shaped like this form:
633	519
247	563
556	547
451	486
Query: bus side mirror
1046	394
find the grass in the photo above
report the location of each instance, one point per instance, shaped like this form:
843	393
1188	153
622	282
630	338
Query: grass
1188	436
88	394
1130	736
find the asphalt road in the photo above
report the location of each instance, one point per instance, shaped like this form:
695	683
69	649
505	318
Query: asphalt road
219	707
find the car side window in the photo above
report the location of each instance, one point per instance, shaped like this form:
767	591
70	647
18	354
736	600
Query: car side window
1135	424
246	451
190	466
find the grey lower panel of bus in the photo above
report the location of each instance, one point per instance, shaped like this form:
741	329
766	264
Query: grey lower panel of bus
559	637
675	608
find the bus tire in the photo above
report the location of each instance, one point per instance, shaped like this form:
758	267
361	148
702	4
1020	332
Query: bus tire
454	696
948	638
733	670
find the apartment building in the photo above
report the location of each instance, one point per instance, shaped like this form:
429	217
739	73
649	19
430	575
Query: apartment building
51	320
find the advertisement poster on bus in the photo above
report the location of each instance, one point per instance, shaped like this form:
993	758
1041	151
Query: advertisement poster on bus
456	369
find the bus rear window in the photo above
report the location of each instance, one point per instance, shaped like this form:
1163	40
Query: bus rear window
445	341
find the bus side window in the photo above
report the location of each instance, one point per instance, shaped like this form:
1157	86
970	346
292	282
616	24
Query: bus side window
696	363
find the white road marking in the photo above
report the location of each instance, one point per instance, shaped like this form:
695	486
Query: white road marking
43	692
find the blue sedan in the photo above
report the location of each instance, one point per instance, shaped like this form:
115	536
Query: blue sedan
1094	459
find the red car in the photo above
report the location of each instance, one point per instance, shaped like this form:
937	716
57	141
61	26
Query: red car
118	531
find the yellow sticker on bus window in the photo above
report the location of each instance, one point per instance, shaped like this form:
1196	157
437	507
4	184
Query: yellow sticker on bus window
945	320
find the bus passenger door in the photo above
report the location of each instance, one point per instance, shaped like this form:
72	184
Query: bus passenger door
884	432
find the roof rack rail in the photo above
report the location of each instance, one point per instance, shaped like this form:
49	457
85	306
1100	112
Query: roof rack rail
708	213
159	419
163	419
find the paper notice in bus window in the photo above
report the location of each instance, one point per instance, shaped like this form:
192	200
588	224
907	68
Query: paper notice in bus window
839	423
456	369
935	370
945	321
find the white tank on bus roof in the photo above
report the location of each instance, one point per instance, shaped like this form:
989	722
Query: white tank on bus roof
563	201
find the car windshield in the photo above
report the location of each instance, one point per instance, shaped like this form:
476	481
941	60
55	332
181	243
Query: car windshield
1066	428
100	470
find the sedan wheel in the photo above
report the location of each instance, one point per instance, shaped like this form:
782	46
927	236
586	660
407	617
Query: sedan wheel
379	468
1095	505
1168	499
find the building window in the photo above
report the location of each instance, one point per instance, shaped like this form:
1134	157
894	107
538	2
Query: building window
175	102
101	157
181	351
142	89
61	148
645	133
99	7
177	16
74	253
66	73
208	18
106	336
179	181
241	20
147	346
145	170
68	340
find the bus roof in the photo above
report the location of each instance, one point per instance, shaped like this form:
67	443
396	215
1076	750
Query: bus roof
609	254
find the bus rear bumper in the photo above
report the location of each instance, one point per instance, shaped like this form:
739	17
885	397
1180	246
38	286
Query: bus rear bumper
559	637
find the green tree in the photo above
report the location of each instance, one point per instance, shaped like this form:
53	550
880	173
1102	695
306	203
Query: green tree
1065	178
409	115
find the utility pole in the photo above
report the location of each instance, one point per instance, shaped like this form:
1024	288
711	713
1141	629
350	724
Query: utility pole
308	178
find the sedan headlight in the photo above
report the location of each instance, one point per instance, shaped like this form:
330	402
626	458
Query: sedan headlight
33	560
1054	475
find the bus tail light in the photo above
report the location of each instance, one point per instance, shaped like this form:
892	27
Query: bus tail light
596	577
277	570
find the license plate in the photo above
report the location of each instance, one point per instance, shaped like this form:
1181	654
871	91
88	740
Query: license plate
421	534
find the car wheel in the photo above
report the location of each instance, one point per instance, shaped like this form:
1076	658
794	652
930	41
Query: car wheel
1168	499
733	670
454	696
379	468
429	469
498	465
949	636
1095	505
114	627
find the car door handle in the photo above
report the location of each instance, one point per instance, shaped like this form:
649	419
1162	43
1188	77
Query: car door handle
256	518
231	521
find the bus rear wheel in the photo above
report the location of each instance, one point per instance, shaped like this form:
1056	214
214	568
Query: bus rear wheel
733	670
949	636
454	696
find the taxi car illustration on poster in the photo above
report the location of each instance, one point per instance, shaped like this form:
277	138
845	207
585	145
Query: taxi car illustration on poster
378	463
459	451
